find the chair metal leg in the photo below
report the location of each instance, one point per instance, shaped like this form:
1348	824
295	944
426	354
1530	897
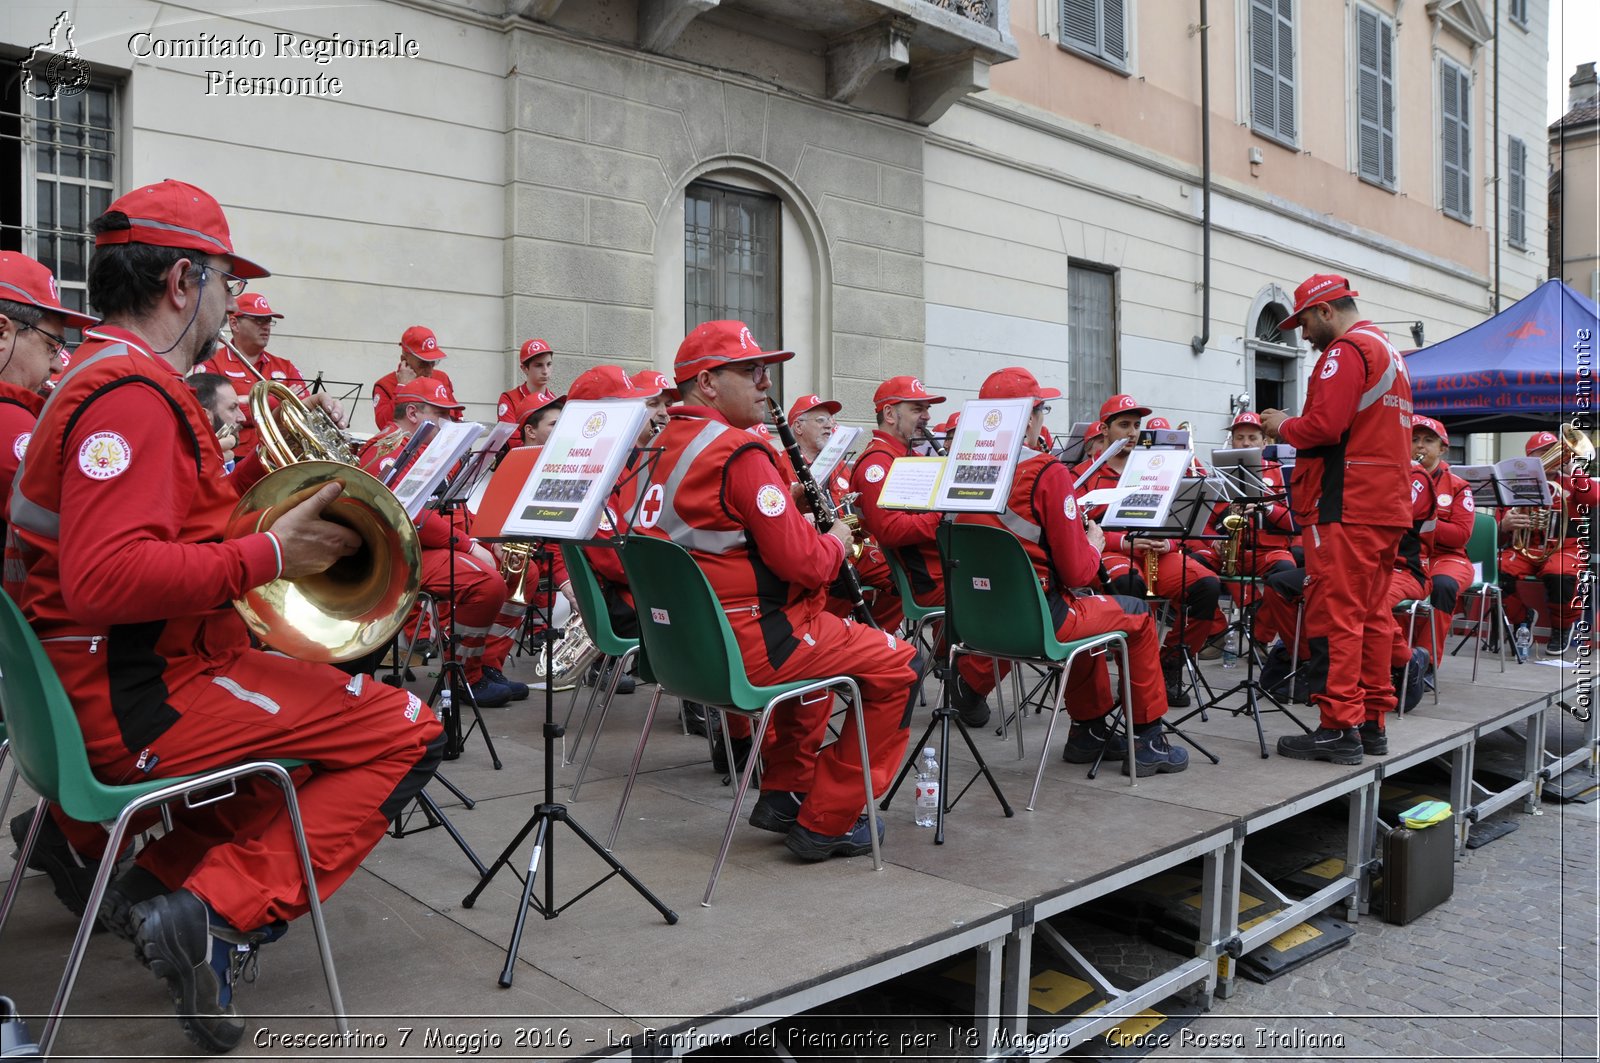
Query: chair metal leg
633	769
41	810
335	999
11	780
1127	709
605	662
1049	729
619	667
745	776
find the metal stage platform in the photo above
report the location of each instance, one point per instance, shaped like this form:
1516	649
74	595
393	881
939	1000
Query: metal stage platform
419	971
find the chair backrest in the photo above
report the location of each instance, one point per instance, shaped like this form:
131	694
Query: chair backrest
992	592
592	604
902	584
45	738
685	633
1484	546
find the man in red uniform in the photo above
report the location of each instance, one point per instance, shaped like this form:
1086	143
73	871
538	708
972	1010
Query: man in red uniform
536	359
1408	581
536	418
1352	497
1042	512
1559	571
252	330
1272	556
719	493
481	602
1453	518
1191	587
420	355
119	511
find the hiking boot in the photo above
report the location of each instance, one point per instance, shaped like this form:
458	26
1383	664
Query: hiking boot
1172	674
488	694
1374	739
71	875
1335	744
1087	739
809	845
1154	755
741	755
133	887
519	691
971	706
173	935
694	717
776	810
1560	642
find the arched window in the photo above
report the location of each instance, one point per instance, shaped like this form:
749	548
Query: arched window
1273	356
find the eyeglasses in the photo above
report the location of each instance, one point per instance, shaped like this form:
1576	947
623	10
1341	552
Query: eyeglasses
59	342
755	371
1042	408
235	285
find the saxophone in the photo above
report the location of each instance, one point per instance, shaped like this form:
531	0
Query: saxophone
1234	524
1152	564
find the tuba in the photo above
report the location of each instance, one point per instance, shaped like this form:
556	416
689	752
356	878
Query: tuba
358	603
1549	531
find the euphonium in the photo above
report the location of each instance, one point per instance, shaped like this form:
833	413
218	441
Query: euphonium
570	657
1549	531
358	604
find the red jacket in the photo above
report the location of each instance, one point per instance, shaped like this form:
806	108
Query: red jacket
718	492
383	398
909	535
225	363
511	401
433	531
1453	514
1042	512
1354	438
1105	477
1416	542
19	412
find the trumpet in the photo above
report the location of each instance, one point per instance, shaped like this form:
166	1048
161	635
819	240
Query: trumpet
1548	531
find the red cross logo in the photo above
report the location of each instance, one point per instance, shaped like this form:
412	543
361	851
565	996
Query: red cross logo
650	511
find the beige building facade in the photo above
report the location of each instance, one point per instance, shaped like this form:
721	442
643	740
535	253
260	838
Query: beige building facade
1575	181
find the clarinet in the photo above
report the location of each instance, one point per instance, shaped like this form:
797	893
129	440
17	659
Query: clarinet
822	511
933	443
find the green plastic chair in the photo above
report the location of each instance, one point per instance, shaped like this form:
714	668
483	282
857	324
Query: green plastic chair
616	652
999	610
50	753
694	655
1483	549
1414	608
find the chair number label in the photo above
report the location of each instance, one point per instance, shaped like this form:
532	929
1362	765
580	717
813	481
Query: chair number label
660	616
980	583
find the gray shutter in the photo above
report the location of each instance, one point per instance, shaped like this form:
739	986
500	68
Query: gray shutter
1263	68
1386	102
1096	26
1455	98
1516	192
1285	33
1078	23
1369	96
1116	43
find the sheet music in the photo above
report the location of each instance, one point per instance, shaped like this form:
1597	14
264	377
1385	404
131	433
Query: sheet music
833	452
436	459
983	456
911	483
1511	482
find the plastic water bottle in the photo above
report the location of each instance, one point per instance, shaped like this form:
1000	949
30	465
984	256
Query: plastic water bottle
927	789
445	696
1523	640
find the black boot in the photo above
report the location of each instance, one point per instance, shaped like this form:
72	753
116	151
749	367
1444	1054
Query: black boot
1172	673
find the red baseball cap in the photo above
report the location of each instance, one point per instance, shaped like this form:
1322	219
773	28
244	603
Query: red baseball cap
608	382
1317	288
1246	417
25	281
420	341
715	344
656	380
955	419
532	348
899	389
1094	431
254	304
1159	422
806	403
1015	382
1538	441
532	405
174	214
1428	424
429	389
1120	404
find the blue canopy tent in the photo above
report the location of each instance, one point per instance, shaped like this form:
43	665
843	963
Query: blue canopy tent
1530	366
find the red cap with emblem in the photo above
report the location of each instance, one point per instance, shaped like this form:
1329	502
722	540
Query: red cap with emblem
174	214
528	407
1540	441
1249	418
429	389
254	304
1094	431
806	403
1318	288
1015	382
22	280
1117	405
420	341
608	382
902	389
955	419
716	344
1159	422
656	380
531	349
1428	424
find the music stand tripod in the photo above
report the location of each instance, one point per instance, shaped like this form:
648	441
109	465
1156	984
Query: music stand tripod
548	813
452	671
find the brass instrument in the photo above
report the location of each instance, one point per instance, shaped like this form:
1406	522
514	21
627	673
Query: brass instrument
1549	523
570	657
1234	523
1152	565
314	419
514	559
358	603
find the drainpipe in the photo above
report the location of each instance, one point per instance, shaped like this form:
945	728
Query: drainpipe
1494	305
1198	343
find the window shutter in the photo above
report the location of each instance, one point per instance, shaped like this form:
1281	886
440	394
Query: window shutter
1453	148
1116	45
1369	96
1516	192
1263	76
1078	23
1096	26
1386	101
1285	28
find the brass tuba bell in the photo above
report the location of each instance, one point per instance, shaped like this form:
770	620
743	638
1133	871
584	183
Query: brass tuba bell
1549	532
357	604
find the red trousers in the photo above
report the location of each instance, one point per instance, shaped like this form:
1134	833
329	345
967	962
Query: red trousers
1564	564
371	748
793	757
1088	695
878	586
1177	576
1403	586
1459	571
480	591
1347	582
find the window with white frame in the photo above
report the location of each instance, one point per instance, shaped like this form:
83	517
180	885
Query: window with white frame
1375	97
1516	192
58	164
1097	28
1272	86
1091	339
1455	140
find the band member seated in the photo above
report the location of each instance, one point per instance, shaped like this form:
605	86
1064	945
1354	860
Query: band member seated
1262	549
1408	581
252	331
1557	562
1272	559
449	553
1191	587
720	494
536	359
217	395
946	431
420	355
536	418
1448	568
1042	512
128	585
